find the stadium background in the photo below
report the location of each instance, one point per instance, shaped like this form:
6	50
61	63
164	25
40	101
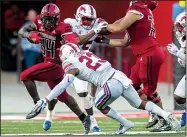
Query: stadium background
14	97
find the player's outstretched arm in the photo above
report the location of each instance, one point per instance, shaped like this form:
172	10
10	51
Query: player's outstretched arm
125	22
114	42
67	80
83	39
24	31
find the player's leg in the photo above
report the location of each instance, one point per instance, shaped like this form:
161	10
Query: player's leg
81	87
111	91
134	100
37	72
71	103
180	98
149	73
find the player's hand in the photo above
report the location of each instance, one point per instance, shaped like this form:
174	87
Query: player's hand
37	109
181	62
102	39
101	26
34	37
91	99
172	48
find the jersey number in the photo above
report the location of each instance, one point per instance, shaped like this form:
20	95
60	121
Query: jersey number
48	46
89	62
152	31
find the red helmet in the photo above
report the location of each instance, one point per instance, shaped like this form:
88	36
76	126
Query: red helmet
151	4
50	16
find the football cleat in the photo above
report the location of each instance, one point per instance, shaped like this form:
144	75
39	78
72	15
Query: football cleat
122	129
94	125
153	120
46	125
162	125
87	123
174	122
183	119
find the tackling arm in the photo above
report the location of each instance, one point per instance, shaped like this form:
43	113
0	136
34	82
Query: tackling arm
67	80
24	32
124	23
114	42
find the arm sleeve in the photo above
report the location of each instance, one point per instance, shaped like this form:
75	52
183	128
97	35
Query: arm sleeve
182	55
59	89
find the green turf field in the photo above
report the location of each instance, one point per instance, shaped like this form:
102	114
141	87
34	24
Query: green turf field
61	127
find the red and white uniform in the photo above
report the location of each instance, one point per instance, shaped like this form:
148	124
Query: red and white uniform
180	33
80	30
50	70
145	47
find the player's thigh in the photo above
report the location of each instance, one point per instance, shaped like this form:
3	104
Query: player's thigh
180	89
110	92
43	72
132	96
149	73
134	76
80	86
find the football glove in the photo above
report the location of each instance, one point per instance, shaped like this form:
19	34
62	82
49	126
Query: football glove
172	48
101	26
34	37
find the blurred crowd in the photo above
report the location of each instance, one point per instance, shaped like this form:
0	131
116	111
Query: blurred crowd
14	16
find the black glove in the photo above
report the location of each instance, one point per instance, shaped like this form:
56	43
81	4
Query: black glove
102	39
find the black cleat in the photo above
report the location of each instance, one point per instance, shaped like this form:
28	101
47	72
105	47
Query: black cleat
162	125
87	123
32	114
153	120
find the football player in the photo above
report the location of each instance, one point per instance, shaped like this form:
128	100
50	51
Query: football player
87	66
141	36
51	33
180	33
84	22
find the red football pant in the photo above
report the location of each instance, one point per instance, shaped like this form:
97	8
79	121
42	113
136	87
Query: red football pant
46	72
146	71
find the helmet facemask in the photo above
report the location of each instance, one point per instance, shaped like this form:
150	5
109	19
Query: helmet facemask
49	22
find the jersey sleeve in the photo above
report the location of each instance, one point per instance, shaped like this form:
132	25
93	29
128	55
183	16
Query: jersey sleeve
35	22
136	9
68	65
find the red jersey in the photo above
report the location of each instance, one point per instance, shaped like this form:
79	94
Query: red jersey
52	40
142	33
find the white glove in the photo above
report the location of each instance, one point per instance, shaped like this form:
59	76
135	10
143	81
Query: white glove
40	106
91	99
172	48
100	27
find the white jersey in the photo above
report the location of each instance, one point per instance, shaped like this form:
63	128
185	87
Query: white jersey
91	68
82	31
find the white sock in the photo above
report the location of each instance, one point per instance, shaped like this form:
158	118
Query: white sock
151	107
49	115
116	116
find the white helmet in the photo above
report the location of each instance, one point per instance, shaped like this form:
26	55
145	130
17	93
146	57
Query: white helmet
67	50
86	16
180	28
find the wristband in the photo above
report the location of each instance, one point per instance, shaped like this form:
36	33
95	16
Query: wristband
106	40
26	35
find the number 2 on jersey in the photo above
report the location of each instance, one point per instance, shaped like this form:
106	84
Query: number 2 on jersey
88	57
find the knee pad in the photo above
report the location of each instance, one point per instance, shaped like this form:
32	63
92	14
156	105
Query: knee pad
63	97
154	98
85	102
24	76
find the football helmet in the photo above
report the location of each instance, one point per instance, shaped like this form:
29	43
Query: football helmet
68	50
180	28
151	4
86	16
50	16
